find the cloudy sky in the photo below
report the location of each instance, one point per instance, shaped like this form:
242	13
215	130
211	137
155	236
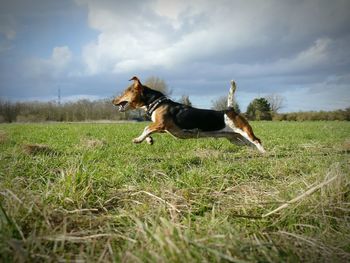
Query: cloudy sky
89	49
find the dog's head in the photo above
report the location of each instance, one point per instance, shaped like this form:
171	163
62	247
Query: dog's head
131	97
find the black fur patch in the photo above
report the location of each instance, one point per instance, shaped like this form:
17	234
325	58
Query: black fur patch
189	118
186	117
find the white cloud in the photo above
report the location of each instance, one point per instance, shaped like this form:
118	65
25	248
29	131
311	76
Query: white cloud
326	95
144	35
61	56
197	46
315	56
52	67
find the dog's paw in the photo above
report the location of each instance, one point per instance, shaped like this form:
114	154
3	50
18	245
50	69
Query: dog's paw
136	140
149	140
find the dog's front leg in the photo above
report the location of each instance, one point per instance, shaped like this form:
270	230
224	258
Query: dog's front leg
149	140
146	134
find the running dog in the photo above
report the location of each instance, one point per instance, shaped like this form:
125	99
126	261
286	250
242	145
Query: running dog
184	121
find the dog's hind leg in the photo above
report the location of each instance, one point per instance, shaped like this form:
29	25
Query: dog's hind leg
241	126
237	139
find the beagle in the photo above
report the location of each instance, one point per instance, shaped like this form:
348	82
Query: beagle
184	121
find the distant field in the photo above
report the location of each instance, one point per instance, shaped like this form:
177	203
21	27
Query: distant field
84	192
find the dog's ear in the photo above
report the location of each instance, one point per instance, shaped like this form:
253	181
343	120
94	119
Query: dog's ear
137	82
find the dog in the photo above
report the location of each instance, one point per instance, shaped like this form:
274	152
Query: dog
184	122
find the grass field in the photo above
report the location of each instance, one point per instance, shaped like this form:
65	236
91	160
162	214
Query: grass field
84	192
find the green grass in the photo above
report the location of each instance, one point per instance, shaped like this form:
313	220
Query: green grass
89	194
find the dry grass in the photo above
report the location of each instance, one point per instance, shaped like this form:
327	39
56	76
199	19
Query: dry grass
34	149
92	143
346	145
3	137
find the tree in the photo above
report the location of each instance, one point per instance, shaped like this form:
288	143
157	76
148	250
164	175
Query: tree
276	102
185	99
158	84
221	104
259	109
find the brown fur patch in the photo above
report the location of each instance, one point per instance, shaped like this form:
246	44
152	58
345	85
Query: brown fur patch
132	95
160	114
243	124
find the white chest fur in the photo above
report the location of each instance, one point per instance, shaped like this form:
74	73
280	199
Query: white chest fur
153	116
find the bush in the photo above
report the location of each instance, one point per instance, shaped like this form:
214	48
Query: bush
259	109
339	115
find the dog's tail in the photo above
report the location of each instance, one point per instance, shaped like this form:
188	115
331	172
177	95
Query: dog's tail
239	124
231	93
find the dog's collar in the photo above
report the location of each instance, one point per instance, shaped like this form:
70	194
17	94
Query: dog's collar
154	105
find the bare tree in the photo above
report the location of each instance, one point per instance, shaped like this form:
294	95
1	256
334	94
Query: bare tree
158	84
221	104
9	110
276	102
185	99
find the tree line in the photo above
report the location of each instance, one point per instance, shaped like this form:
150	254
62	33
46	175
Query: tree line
266	108
85	110
81	110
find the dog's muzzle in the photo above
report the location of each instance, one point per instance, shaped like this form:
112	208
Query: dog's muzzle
122	106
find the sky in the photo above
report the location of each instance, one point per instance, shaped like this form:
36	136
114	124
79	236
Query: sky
297	49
